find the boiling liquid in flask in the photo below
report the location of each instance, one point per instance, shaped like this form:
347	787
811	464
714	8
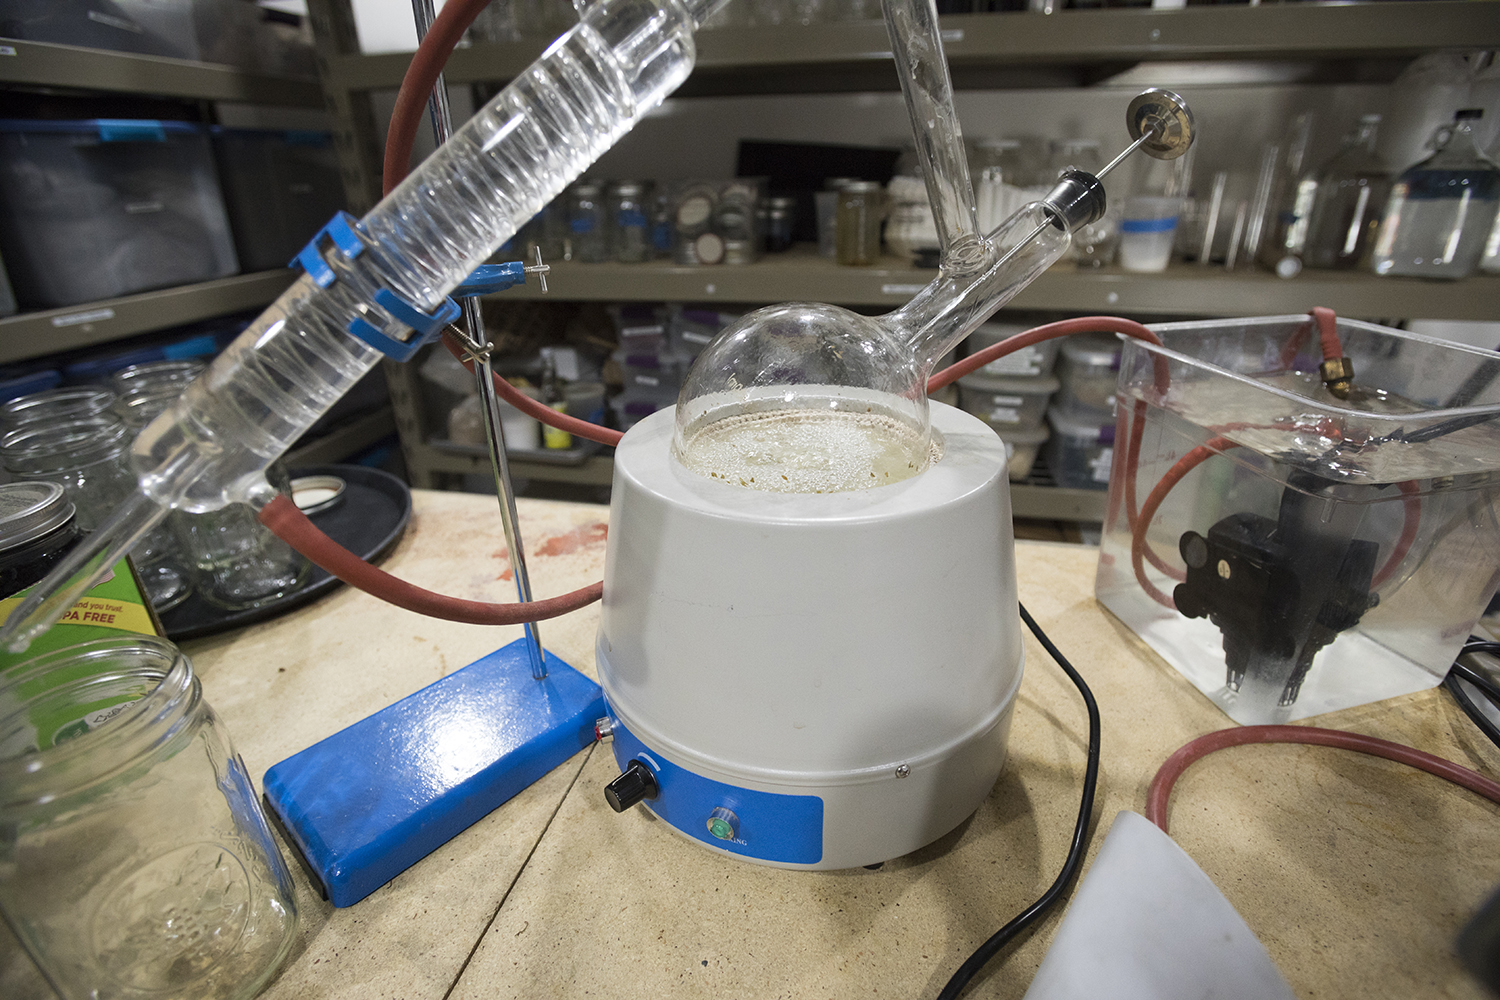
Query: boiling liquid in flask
807	451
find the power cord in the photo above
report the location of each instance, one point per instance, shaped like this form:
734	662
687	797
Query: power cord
1461	673
1032	913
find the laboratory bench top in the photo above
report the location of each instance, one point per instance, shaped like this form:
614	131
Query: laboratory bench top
1355	872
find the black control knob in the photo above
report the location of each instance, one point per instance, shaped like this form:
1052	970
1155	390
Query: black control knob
635	783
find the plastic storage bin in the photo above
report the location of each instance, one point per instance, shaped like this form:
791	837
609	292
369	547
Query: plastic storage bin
1037	359
1088	369
1021	447
1081	450
1291	553
280	187
1007	403
148	27
96	209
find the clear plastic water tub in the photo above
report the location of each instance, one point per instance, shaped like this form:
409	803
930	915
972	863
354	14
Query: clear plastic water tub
96	209
1290	552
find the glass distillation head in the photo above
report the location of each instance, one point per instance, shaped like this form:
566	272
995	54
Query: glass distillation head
813	398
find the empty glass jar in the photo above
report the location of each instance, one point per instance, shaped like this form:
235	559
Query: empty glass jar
55	405
87	458
237	563
136	860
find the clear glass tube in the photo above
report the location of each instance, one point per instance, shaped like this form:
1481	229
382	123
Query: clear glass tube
513	157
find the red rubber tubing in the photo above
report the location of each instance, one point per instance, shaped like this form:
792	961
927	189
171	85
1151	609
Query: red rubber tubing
1062	328
1138	544
416	86
288	523
1161	786
1328	332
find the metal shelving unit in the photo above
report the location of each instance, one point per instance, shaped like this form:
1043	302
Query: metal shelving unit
984	51
830	56
49	331
41	64
1184	289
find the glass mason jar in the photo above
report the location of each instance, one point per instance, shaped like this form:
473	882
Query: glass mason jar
88	458
156	373
37	528
237	563
136	861
74	402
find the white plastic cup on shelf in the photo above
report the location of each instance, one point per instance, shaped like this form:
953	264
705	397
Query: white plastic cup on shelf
1147	232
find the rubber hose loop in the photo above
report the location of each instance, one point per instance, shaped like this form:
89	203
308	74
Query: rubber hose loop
286	522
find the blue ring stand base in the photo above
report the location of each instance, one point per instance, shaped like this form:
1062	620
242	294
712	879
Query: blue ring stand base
370	801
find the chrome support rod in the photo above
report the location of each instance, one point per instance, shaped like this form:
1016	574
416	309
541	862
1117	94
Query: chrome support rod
442	127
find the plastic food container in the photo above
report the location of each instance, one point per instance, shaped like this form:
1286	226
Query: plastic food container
1021	447
1028	361
1081	450
691	330
280	187
1007	403
96	209
1088	369
652	374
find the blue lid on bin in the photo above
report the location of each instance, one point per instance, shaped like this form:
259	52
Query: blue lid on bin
193	347
107	129
100	369
22	385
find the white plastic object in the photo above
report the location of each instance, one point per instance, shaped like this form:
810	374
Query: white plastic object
814	644
1147	924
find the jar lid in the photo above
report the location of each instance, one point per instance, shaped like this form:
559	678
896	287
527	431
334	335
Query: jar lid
862	187
781	201
29	510
629	187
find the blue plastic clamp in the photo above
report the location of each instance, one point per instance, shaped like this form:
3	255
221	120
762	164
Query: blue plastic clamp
340	230
426	325
489	278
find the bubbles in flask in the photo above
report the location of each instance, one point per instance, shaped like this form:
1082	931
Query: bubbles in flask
807	451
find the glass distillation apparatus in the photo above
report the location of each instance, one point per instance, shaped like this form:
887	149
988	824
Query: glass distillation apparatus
824	676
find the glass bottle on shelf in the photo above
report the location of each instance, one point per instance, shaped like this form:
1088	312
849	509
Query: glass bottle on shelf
1351	193
1441	210
1293	190
629	227
586	223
